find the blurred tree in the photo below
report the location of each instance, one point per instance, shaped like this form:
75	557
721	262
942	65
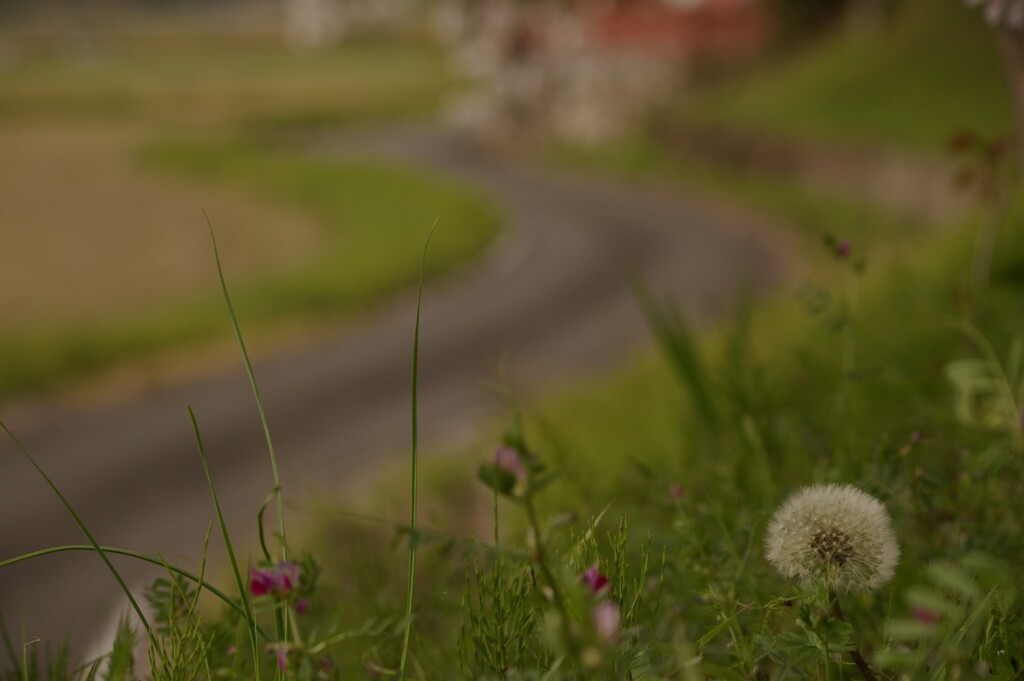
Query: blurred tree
1007	20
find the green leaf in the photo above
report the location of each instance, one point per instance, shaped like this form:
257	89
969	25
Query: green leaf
927	599
498	479
909	630
954	579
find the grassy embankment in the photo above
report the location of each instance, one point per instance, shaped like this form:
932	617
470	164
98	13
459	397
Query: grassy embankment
179	122
844	377
930	71
845	380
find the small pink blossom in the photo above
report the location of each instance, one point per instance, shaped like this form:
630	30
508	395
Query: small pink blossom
606	619
281	650
279	581
596	583
675	491
301	606
288	574
844	248
923	615
261	582
507	459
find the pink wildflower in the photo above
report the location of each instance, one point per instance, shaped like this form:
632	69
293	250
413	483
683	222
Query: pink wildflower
606	619
595	581
287	574
261	581
923	615
844	248
675	491
507	459
279	581
281	650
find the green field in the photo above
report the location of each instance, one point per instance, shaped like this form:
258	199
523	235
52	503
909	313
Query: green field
148	132
191	79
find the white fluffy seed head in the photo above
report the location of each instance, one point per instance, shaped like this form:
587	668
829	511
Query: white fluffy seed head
833	535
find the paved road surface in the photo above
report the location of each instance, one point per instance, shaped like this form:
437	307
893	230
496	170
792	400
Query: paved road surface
552	296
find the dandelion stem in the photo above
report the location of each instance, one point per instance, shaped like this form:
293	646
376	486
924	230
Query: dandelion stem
496	536
858	659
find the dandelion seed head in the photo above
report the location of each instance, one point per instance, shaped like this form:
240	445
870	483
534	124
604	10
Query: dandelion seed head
834	535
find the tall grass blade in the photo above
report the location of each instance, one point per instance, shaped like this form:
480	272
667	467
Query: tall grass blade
239	582
415	466
92	540
5	635
121	661
680	347
255	389
261	527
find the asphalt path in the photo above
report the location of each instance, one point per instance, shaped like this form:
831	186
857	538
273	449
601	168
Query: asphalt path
552	299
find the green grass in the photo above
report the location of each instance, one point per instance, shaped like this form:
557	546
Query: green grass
376	214
842	378
809	213
933	70
827	382
792	416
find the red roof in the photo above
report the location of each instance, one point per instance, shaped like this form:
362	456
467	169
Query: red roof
718	27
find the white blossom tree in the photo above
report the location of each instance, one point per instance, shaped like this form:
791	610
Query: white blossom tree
309	23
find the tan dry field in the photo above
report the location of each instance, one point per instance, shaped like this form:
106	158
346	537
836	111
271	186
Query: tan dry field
89	236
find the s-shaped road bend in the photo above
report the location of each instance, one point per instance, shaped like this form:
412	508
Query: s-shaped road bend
552	296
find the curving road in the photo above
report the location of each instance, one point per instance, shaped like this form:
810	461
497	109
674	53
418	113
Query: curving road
552	296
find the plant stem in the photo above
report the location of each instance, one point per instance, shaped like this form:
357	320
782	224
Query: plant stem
549	576
858	659
413	539
984	253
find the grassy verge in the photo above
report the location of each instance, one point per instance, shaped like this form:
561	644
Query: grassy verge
847	381
843	378
931	70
